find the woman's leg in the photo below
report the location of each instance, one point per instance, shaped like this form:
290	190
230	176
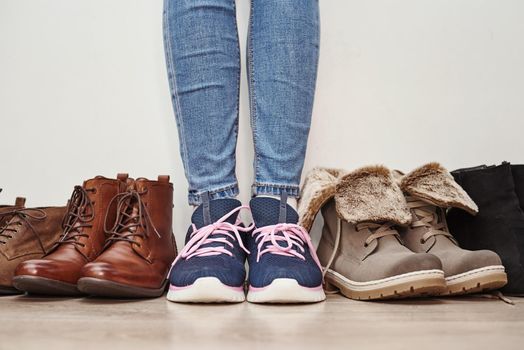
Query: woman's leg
282	59
203	62
283	49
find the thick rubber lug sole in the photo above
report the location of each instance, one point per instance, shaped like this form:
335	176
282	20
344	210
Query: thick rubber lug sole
285	291
109	289
45	286
413	284
206	290
7	290
476	281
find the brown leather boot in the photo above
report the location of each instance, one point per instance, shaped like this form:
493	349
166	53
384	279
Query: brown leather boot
430	190
82	240
360	249
5	210
29	234
141	246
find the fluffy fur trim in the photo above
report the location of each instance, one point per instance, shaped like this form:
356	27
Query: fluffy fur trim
318	188
371	194
432	182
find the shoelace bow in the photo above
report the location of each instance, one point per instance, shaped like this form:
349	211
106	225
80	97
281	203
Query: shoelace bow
80	211
11	227
217	232
293	235
132	214
429	216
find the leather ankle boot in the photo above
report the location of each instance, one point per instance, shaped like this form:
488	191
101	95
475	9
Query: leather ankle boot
430	190
141	246
5	210
81	242
360	248
29	234
499	225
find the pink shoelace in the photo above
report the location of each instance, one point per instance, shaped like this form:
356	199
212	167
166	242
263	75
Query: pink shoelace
204	235
294	235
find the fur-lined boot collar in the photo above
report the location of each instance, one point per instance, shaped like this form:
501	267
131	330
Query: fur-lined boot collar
433	183
367	194
319	187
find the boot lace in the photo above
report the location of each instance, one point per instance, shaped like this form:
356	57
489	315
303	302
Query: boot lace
294	236
376	231
11	227
429	216
80	212
132	215
217	232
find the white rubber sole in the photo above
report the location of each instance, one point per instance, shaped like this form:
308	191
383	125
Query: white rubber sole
475	281
206	290
412	284
285	291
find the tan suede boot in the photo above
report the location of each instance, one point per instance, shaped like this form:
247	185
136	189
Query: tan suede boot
29	234
360	248
429	190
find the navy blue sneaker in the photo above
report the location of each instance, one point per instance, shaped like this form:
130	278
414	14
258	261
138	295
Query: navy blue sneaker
211	267
283	265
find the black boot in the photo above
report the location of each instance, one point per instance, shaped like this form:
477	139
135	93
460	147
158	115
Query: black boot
499	225
518	179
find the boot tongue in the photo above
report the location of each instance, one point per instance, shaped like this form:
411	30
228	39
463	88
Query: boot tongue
271	211
140	184
212	210
429	208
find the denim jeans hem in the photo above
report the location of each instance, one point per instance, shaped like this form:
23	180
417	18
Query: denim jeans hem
230	191
275	189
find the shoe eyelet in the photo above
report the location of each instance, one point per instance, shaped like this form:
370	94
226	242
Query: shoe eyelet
422	241
366	245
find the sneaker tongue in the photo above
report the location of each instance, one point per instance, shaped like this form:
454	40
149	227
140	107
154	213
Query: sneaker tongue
266	211
217	209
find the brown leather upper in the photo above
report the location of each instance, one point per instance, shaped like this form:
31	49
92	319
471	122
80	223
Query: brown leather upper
141	246
83	234
29	234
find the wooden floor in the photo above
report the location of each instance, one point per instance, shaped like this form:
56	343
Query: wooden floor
85	323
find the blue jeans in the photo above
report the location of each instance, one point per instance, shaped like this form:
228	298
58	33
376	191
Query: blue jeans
203	61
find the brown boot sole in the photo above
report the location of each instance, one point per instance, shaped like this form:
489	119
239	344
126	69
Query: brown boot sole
45	286
109	289
413	284
476	281
6	290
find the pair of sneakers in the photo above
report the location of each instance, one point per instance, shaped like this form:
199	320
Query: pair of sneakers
283	265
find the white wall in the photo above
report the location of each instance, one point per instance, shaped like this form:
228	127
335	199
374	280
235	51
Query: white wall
83	91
